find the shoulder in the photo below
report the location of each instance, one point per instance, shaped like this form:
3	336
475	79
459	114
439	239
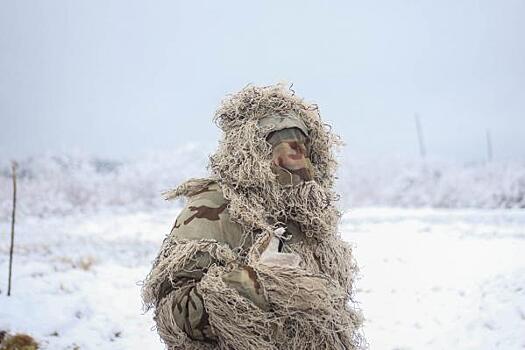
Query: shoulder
208	203
202	195
205	215
190	188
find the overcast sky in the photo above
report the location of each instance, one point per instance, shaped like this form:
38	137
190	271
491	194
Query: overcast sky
119	78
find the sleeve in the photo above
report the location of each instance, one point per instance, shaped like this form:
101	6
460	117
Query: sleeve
204	299
179	300
202	237
171	288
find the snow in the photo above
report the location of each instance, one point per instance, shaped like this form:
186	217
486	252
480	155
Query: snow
441	279
429	278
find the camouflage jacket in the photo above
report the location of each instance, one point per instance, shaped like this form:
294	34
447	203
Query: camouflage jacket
205	240
205	217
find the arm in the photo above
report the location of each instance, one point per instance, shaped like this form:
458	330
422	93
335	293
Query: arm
179	297
201	238
186	301
201	292
203	304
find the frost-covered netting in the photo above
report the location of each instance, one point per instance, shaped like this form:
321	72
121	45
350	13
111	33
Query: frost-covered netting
64	184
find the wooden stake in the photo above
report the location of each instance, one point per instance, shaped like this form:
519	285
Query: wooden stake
13	167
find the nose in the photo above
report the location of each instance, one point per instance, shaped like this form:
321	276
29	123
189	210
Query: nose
298	150
290	155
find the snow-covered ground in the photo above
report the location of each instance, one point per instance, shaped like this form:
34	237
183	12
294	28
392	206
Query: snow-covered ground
430	278
440	279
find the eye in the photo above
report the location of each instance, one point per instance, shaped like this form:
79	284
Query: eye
298	147
307	147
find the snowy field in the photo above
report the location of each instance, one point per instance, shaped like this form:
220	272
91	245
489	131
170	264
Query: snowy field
430	278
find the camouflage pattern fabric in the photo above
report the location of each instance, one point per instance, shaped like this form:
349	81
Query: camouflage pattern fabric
205	216
275	122
290	156
211	284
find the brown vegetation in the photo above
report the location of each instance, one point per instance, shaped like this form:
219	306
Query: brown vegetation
17	342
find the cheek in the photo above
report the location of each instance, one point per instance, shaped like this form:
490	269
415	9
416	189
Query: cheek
289	155
296	156
291	163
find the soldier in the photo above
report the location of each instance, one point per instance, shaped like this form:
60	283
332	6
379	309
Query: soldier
254	260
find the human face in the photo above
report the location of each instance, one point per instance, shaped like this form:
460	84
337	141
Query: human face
290	153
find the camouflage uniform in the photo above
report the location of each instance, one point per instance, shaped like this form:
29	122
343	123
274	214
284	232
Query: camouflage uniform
217	285
205	217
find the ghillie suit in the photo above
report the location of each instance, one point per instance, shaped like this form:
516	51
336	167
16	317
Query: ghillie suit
214	285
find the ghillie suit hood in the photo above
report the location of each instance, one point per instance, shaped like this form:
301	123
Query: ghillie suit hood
242	164
311	304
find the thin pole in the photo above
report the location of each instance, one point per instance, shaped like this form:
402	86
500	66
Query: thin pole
13	214
489	146
419	130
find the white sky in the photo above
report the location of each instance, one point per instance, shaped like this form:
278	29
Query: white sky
118	78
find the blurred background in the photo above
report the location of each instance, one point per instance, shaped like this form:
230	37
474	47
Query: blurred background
106	103
118	78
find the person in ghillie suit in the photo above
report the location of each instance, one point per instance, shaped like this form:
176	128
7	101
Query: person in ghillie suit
254	260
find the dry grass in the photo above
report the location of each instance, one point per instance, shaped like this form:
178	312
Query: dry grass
17	342
83	263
